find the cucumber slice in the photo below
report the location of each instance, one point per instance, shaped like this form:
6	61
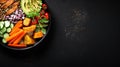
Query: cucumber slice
3	30
8	30
7	23
6	35
4	41
11	25
1	24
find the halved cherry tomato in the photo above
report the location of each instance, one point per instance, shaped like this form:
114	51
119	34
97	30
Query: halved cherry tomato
46	15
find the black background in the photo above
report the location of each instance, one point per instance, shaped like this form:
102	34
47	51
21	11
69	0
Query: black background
82	32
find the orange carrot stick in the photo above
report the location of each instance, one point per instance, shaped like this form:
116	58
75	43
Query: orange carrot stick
15	35
17	25
15	31
19	38
17	45
11	41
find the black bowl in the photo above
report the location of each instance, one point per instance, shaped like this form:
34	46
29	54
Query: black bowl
38	41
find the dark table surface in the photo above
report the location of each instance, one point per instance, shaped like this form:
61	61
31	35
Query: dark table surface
82	32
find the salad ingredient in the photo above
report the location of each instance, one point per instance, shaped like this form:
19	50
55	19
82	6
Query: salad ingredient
26	21
10	11
6	35
7	8
3	30
4	41
31	7
46	16
42	12
38	35
3	1
15	35
7	23
1	14
14	7
34	21
17	25
17	45
43	20
30	28
1	24
11	41
15	16
15	31
28	40
44	6
8	3
8	30
19	38
11	25
5	27
1	35
43	30
43	23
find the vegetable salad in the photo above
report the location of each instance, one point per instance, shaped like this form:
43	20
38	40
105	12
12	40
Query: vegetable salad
22	22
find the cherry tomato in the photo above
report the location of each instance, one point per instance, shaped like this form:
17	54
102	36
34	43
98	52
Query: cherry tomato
37	18
46	15
44	6
34	21
42	12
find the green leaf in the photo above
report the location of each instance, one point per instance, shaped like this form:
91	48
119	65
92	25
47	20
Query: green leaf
1	35
44	25
43	30
43	20
33	14
37	29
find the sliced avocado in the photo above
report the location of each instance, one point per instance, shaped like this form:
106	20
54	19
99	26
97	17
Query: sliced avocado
31	7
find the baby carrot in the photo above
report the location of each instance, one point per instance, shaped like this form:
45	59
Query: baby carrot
15	31
19	38
17	25
17	45
15	35
11	41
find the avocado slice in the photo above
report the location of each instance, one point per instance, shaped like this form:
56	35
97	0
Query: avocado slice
31	7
